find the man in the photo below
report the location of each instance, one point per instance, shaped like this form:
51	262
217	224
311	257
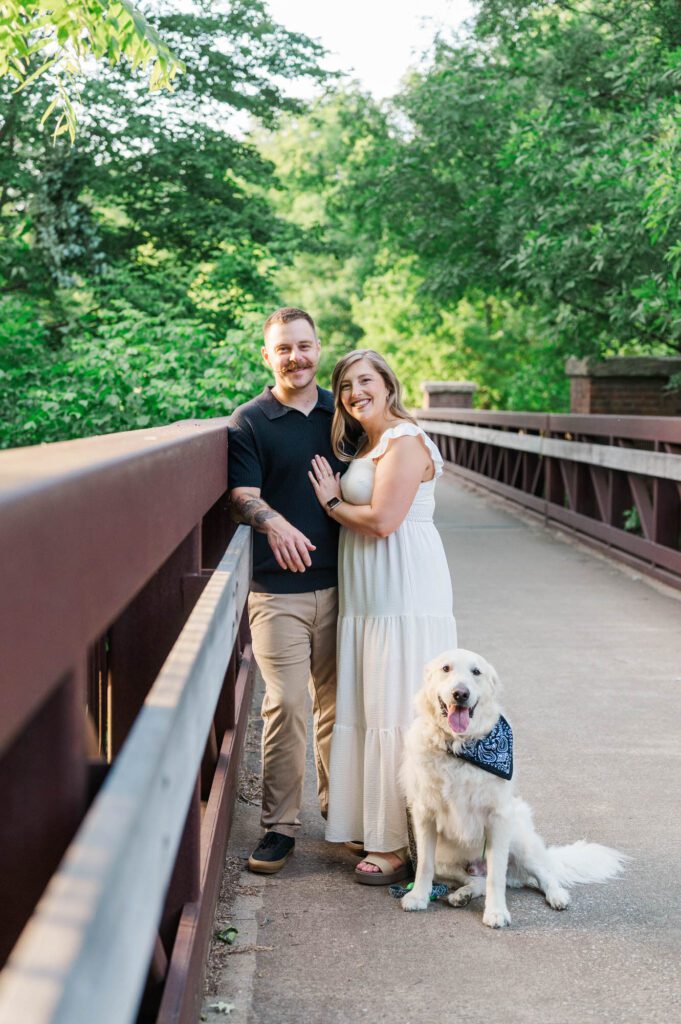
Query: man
293	604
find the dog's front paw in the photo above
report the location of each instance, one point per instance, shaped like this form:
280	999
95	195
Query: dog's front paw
462	896
412	902
496	918
558	897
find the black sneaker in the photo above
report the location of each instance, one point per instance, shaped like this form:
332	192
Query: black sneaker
271	853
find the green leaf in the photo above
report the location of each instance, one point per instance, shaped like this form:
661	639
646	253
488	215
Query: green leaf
48	111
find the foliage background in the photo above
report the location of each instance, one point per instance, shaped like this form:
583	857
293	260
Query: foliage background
517	202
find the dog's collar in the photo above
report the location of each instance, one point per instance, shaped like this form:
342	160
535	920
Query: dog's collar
493	753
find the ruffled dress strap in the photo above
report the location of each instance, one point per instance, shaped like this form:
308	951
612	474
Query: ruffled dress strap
407	429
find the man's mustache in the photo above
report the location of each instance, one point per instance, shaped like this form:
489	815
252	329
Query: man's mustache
292	367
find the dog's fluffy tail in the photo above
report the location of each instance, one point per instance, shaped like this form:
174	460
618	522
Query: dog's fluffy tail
583	862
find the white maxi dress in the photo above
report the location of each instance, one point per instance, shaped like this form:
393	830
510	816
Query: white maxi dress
395	614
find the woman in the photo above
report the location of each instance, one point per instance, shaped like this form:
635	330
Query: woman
395	604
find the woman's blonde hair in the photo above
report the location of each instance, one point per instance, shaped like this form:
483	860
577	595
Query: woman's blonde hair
346	433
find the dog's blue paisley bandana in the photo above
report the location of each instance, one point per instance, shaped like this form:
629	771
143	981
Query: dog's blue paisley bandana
493	753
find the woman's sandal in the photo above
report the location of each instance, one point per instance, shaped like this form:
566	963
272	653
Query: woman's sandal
386	874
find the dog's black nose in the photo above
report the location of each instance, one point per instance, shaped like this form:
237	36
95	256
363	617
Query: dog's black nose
461	695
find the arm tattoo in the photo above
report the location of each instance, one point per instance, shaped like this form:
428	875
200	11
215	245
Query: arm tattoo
253	511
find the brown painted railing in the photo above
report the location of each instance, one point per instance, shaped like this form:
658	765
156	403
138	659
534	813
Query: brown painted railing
124	693
615	481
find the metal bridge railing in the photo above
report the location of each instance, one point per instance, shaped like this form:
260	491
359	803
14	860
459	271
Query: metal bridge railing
124	694
613	480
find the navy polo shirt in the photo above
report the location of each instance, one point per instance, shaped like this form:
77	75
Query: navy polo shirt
271	447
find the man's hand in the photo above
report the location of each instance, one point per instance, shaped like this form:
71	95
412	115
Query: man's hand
290	547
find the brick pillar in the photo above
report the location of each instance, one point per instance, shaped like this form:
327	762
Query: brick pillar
448	394
624	385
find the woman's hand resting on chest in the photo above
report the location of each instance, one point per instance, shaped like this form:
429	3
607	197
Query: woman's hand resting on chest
326	484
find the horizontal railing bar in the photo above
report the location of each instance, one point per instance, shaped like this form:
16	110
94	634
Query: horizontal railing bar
645	550
68	512
521	420
182	989
629	460
84	955
630	428
26	470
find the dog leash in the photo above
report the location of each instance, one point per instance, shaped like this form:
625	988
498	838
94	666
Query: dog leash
398	891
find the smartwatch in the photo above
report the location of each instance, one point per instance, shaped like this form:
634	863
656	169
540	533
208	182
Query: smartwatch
333	503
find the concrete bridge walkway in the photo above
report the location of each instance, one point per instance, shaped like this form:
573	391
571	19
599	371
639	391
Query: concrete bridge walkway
590	658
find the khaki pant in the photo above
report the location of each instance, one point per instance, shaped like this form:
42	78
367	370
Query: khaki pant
294	643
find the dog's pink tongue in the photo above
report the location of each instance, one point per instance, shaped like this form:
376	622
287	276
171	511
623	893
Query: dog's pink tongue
458	719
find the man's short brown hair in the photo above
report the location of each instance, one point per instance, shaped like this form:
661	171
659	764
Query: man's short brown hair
285	315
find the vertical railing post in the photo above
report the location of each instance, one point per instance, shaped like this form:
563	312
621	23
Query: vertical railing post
554	488
619	498
666	512
185	881
43	793
142	637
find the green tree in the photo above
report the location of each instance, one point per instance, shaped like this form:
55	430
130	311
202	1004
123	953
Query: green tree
517	202
55	40
538	161
321	169
153	231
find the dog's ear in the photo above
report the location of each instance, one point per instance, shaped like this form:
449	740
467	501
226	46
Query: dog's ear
494	678
429	668
422	703
423	700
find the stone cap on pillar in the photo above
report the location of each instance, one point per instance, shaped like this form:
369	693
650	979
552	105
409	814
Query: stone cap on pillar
452	394
623	366
624	385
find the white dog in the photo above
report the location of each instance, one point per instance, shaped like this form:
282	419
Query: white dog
457	775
